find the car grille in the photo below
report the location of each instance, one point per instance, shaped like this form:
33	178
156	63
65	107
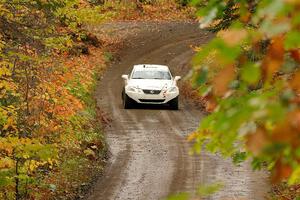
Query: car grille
151	91
152	100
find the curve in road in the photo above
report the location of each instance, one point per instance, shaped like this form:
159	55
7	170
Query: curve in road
149	153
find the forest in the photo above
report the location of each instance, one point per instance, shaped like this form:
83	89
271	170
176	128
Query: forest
47	113
51	129
246	78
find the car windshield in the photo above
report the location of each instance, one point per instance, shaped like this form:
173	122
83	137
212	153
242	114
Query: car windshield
154	74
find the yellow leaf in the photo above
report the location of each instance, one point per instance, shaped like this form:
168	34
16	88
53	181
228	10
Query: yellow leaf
233	37
192	136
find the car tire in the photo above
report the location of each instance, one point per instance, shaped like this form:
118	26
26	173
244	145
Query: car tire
174	103
127	101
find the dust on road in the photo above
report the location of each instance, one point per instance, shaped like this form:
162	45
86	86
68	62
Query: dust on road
149	152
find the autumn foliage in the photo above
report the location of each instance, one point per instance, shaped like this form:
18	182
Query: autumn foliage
47	112
250	73
50	134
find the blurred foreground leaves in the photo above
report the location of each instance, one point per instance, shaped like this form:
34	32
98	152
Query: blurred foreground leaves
250	74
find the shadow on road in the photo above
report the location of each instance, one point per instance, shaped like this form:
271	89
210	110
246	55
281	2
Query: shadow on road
151	107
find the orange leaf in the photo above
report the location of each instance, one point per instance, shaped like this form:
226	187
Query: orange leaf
192	136
288	130
211	104
257	141
281	171
295	82
274	57
295	55
222	80
233	37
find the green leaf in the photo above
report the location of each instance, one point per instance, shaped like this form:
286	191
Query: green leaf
295	177
250	73
207	190
225	53
239	157
297	152
201	76
209	17
292	40
179	196
204	90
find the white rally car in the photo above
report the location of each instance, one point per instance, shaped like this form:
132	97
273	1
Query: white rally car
150	84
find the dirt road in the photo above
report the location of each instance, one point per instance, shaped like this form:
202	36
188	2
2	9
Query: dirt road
149	153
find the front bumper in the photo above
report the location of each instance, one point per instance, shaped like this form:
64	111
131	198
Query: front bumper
143	98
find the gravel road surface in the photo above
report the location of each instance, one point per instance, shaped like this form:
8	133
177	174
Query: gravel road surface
149	152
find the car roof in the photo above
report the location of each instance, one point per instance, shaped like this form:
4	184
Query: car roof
146	67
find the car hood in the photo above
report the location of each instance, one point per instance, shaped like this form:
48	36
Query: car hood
150	84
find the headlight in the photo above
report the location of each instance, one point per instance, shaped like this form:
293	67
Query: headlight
173	89
132	89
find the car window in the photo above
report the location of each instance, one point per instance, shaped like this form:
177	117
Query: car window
154	74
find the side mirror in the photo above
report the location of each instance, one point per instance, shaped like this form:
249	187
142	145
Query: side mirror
177	78
125	77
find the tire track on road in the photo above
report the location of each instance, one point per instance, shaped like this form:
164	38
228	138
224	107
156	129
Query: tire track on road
149	153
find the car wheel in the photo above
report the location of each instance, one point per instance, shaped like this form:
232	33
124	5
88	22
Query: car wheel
127	102
174	103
